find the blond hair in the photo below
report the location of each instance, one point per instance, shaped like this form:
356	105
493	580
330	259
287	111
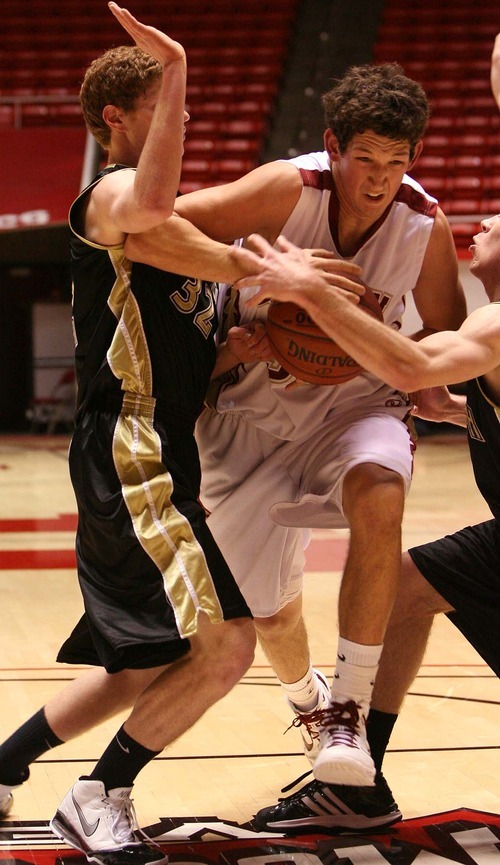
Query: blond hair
117	78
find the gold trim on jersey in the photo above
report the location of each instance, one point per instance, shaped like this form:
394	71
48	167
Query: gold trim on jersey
163	532
128	355
472	427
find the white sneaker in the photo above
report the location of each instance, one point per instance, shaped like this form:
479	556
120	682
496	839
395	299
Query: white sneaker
310	722
344	756
6	800
103	826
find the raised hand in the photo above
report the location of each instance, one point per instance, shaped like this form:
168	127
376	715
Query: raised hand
151	40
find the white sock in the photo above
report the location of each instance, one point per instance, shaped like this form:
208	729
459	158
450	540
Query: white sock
304	694
355	673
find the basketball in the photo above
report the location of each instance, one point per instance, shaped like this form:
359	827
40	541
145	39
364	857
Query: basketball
305	351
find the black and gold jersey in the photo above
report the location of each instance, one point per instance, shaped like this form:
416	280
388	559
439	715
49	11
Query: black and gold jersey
138	329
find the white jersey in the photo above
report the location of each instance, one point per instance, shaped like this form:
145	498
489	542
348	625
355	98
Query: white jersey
391	259
274	461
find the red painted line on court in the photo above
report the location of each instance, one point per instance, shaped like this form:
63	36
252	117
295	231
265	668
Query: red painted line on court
19	560
327	554
321	556
61	523
324	555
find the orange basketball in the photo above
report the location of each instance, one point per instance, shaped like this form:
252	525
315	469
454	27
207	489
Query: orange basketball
305	351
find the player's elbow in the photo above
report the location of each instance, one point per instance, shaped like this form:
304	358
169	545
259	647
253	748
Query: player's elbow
155	213
153	205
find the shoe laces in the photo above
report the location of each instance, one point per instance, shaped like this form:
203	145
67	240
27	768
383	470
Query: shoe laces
124	824
308	789
125	827
312	721
293	784
341	722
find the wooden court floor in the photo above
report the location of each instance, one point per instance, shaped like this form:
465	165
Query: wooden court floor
445	751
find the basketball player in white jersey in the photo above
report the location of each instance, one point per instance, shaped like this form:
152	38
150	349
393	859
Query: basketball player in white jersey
278	460
458	574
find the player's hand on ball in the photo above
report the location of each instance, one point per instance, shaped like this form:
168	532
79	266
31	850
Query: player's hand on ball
286	272
249	343
328	265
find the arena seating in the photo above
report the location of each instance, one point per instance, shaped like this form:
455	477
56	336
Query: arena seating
447	47
236	58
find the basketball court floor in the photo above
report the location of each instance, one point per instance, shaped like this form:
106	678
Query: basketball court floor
444	760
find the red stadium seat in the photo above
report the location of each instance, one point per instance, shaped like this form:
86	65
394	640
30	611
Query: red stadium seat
236	58
7	115
448	50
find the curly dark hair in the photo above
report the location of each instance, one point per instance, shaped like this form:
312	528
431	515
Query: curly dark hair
118	78
377	98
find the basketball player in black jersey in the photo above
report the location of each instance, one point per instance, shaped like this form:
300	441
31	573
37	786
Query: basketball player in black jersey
164	618
459	574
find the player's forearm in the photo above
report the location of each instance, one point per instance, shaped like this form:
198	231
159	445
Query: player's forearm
390	356
178	247
159	167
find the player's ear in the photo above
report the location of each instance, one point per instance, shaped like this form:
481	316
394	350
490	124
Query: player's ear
416	153
113	117
331	145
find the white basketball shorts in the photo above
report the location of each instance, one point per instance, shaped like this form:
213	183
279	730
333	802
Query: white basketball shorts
264	494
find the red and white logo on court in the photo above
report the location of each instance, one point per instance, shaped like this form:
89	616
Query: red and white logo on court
464	837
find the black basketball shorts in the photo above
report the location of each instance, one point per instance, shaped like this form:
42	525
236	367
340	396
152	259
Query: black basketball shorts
465	569
147	562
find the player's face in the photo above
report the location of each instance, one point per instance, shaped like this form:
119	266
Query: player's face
369	173
140	117
485	251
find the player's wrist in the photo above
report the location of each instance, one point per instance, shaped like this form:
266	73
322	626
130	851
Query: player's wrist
176	60
231	354
313	298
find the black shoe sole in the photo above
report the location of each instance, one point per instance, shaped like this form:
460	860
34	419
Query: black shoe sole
64	831
125	856
310	825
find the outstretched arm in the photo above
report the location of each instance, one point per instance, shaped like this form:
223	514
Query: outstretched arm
179	247
260	201
442	358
